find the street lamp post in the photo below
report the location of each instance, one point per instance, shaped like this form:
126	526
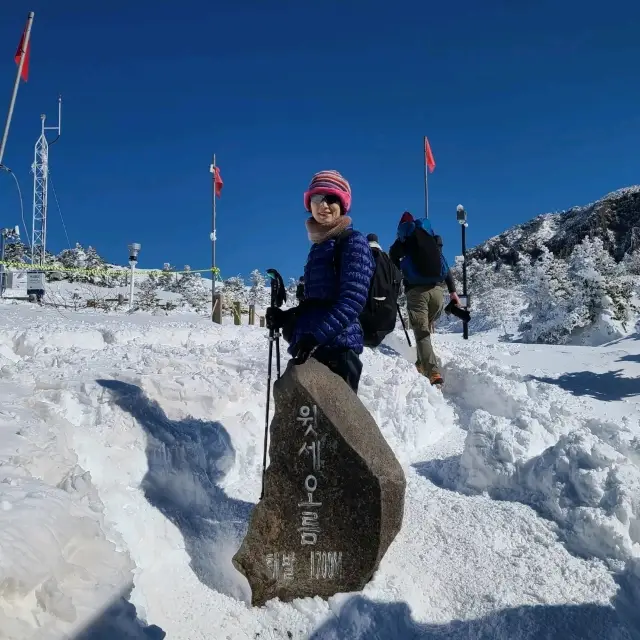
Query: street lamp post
461	217
134	249
12	233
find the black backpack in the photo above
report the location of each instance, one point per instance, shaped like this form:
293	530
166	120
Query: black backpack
425	251
378	317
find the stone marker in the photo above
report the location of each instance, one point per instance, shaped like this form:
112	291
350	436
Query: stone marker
334	493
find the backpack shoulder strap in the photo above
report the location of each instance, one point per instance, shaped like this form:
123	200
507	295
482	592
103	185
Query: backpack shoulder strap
342	236
337	249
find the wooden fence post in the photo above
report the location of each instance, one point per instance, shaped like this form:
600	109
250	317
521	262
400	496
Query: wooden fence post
217	309
237	319
252	314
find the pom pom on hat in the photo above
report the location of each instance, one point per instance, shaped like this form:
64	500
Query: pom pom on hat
372	237
329	182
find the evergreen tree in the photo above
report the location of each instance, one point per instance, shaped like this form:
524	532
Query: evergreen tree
17	252
92	260
603	287
71	259
258	294
99	272
167	279
291	291
147	293
631	263
565	296
234	290
550	294
193	290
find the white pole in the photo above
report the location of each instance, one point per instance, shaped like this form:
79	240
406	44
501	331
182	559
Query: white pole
25	46
131	284
213	236
213	168
2	271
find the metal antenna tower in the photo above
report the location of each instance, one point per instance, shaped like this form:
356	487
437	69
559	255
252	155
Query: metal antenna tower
40	170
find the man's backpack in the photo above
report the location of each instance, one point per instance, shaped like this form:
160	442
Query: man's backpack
378	317
425	251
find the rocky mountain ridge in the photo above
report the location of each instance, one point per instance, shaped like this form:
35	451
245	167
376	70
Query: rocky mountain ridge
615	218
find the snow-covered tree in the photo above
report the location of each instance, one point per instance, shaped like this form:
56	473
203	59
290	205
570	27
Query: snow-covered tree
16	252
483	276
193	290
91	259
117	277
234	290
259	295
550	313
147	293
72	259
291	291
603	287
99	273
167	279
631	262
566	296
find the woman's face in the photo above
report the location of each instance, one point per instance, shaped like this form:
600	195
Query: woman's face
325	209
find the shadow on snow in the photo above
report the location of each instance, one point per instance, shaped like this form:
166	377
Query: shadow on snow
606	386
621	620
364	619
120	621
186	461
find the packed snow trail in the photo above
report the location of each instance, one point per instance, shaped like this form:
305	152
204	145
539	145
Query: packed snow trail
159	422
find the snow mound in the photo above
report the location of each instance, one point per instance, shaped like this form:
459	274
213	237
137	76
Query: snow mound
591	490
411	414
56	564
528	442
532	413
134	458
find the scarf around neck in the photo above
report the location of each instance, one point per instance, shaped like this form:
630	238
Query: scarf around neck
318	233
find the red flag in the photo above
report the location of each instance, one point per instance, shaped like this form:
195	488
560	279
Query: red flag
217	182
428	156
25	67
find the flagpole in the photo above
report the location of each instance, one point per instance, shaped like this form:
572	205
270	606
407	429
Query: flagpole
25	47
426	179
213	237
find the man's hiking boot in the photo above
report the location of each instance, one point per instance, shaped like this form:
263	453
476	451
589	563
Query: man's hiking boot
436	379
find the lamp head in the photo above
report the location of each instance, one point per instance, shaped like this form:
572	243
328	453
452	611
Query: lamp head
134	250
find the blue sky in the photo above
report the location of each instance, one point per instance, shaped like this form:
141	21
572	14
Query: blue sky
529	107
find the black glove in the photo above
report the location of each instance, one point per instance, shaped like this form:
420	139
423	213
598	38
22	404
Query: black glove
275	317
303	349
458	311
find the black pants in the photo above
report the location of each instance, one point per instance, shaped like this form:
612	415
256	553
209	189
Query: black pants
343	362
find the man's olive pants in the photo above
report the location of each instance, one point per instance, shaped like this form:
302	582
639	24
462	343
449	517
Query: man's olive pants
425	305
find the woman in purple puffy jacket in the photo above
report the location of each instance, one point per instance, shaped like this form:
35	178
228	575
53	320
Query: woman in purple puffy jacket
336	283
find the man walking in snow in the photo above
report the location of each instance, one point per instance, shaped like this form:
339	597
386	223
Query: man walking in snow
417	252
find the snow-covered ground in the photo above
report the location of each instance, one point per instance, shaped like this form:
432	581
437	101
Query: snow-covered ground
130	458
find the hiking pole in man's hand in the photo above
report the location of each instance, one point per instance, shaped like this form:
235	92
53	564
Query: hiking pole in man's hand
406	333
461	217
278	298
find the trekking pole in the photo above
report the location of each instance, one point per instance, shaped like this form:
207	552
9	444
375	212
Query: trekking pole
461	217
406	333
278	298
